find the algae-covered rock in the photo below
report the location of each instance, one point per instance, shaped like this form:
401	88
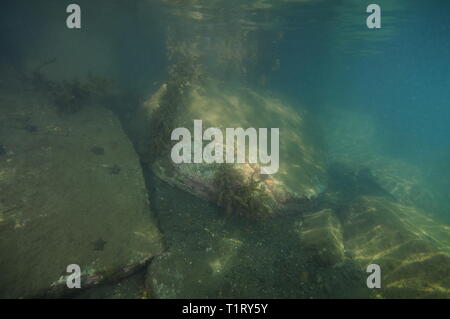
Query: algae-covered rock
301	172
321	238
411	249
71	192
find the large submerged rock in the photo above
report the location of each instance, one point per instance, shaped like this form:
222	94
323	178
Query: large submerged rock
71	192
411	249
301	173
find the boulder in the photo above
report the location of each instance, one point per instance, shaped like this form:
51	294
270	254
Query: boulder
71	192
411	248
301	174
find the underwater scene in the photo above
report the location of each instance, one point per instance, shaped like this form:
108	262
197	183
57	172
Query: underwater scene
209	149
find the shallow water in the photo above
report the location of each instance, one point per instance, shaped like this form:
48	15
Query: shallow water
364	142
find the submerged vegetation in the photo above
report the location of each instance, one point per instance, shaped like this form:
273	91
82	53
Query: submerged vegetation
239	195
70	96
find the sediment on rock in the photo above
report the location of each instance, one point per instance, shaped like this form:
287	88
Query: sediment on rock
72	192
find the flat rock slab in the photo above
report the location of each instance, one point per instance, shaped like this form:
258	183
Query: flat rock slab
71	192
